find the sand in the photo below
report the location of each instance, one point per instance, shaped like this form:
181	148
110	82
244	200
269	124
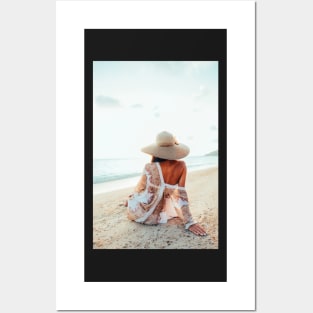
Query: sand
112	229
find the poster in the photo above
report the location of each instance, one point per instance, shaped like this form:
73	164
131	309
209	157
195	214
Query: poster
172	51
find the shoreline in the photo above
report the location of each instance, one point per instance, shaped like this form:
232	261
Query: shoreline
123	183
112	229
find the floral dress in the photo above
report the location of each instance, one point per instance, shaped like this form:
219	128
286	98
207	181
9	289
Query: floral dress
155	202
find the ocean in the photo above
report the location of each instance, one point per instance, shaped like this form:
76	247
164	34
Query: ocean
109	170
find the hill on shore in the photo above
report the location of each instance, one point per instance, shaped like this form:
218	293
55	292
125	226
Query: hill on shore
214	153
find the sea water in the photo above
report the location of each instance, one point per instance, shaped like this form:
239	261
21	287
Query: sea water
108	170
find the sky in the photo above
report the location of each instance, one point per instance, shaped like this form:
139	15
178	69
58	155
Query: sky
135	100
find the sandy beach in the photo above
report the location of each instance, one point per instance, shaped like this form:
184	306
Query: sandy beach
112	229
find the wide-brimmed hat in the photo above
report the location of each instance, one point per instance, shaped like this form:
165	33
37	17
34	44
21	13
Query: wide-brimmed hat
166	147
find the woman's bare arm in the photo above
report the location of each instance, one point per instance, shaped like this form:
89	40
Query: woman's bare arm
182	179
195	228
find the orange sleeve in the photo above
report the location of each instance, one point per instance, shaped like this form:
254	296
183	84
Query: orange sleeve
141	185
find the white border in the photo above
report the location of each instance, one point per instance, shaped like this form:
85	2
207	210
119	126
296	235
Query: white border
238	293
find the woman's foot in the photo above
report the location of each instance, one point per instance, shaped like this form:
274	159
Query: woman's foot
197	230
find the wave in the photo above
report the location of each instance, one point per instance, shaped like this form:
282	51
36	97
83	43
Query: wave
105	170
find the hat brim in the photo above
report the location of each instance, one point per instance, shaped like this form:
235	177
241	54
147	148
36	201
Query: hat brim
175	152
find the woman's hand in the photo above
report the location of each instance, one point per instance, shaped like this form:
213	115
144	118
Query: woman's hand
197	230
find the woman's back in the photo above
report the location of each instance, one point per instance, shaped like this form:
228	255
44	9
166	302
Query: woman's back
174	172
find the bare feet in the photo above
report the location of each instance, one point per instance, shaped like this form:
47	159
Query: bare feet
197	230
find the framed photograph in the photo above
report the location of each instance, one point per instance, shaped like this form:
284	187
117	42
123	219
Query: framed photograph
166	80
124	85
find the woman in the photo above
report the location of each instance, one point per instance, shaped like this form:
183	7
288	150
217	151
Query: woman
160	193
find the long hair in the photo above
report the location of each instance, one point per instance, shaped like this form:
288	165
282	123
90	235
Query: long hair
156	159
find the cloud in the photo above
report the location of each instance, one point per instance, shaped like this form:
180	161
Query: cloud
156	114
200	65
170	67
203	92
136	106
107	102
179	67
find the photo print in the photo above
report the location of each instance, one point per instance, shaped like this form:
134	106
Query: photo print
164	90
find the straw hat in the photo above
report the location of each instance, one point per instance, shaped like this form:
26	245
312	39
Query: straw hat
167	147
